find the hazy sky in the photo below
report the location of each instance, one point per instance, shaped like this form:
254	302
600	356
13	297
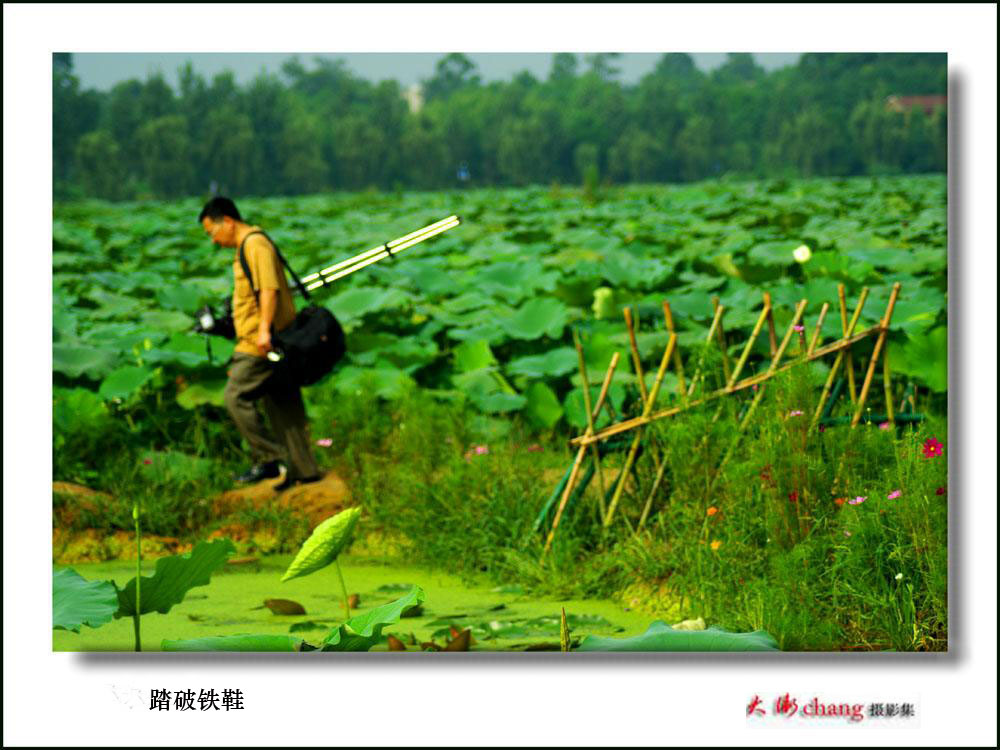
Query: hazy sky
103	70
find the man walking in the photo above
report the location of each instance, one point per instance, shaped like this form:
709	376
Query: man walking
261	304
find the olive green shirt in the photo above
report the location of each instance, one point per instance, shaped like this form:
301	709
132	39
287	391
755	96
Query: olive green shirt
268	273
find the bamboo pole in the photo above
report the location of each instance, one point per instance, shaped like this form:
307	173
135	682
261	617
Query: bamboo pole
764	314
637	367
772	340
634	346
631	424
819	326
721	335
799	310
579	455
590	417
668	318
633	449
879	343
849	357
847	341
711	334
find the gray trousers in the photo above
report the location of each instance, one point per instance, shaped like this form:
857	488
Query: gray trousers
285	411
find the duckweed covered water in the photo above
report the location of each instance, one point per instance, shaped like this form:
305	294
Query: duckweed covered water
501	617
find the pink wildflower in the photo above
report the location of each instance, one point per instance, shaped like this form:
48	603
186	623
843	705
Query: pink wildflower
858	500
147	461
481	449
884	426
894	494
932	448
324	442
800	329
795	413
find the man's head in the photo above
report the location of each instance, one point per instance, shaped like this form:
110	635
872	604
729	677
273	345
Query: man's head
220	217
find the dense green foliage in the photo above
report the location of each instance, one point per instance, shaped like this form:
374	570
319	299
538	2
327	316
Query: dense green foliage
484	312
449	417
322	128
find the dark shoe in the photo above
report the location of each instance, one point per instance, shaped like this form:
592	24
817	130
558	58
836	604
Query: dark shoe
289	482
255	473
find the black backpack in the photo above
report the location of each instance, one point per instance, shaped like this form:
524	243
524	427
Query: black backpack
309	348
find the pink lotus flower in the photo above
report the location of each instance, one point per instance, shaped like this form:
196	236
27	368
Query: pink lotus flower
932	448
324	442
858	500
884	426
894	494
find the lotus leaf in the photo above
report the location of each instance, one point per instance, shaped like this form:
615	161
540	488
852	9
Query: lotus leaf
364	631
74	361
173	577
323	546
77	601
542	407
552	363
123	382
661	637
537	317
285	643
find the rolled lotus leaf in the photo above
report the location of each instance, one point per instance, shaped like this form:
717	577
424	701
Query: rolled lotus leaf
324	545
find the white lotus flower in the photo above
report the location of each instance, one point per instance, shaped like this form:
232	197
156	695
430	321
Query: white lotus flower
802	253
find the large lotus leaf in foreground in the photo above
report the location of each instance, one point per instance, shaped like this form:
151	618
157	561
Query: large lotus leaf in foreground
173	577
322	547
364	631
235	643
661	637
77	601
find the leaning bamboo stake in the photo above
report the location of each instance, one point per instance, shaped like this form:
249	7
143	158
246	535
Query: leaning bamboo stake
590	417
849	361
634	448
721	334
764	315
634	347
847	340
637	367
879	343
771	338
819	326
580	454
799	310
711	334
668	318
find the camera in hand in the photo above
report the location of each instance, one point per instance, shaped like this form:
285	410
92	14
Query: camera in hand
217	321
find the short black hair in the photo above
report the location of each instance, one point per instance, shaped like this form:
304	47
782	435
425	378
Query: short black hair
218	207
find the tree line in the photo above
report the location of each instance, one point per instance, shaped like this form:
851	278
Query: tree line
308	130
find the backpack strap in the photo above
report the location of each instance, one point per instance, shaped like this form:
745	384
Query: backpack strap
246	266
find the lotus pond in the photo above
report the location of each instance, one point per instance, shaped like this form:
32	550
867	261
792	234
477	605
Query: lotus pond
500	617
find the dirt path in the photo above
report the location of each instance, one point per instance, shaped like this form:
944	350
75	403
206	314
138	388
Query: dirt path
73	543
